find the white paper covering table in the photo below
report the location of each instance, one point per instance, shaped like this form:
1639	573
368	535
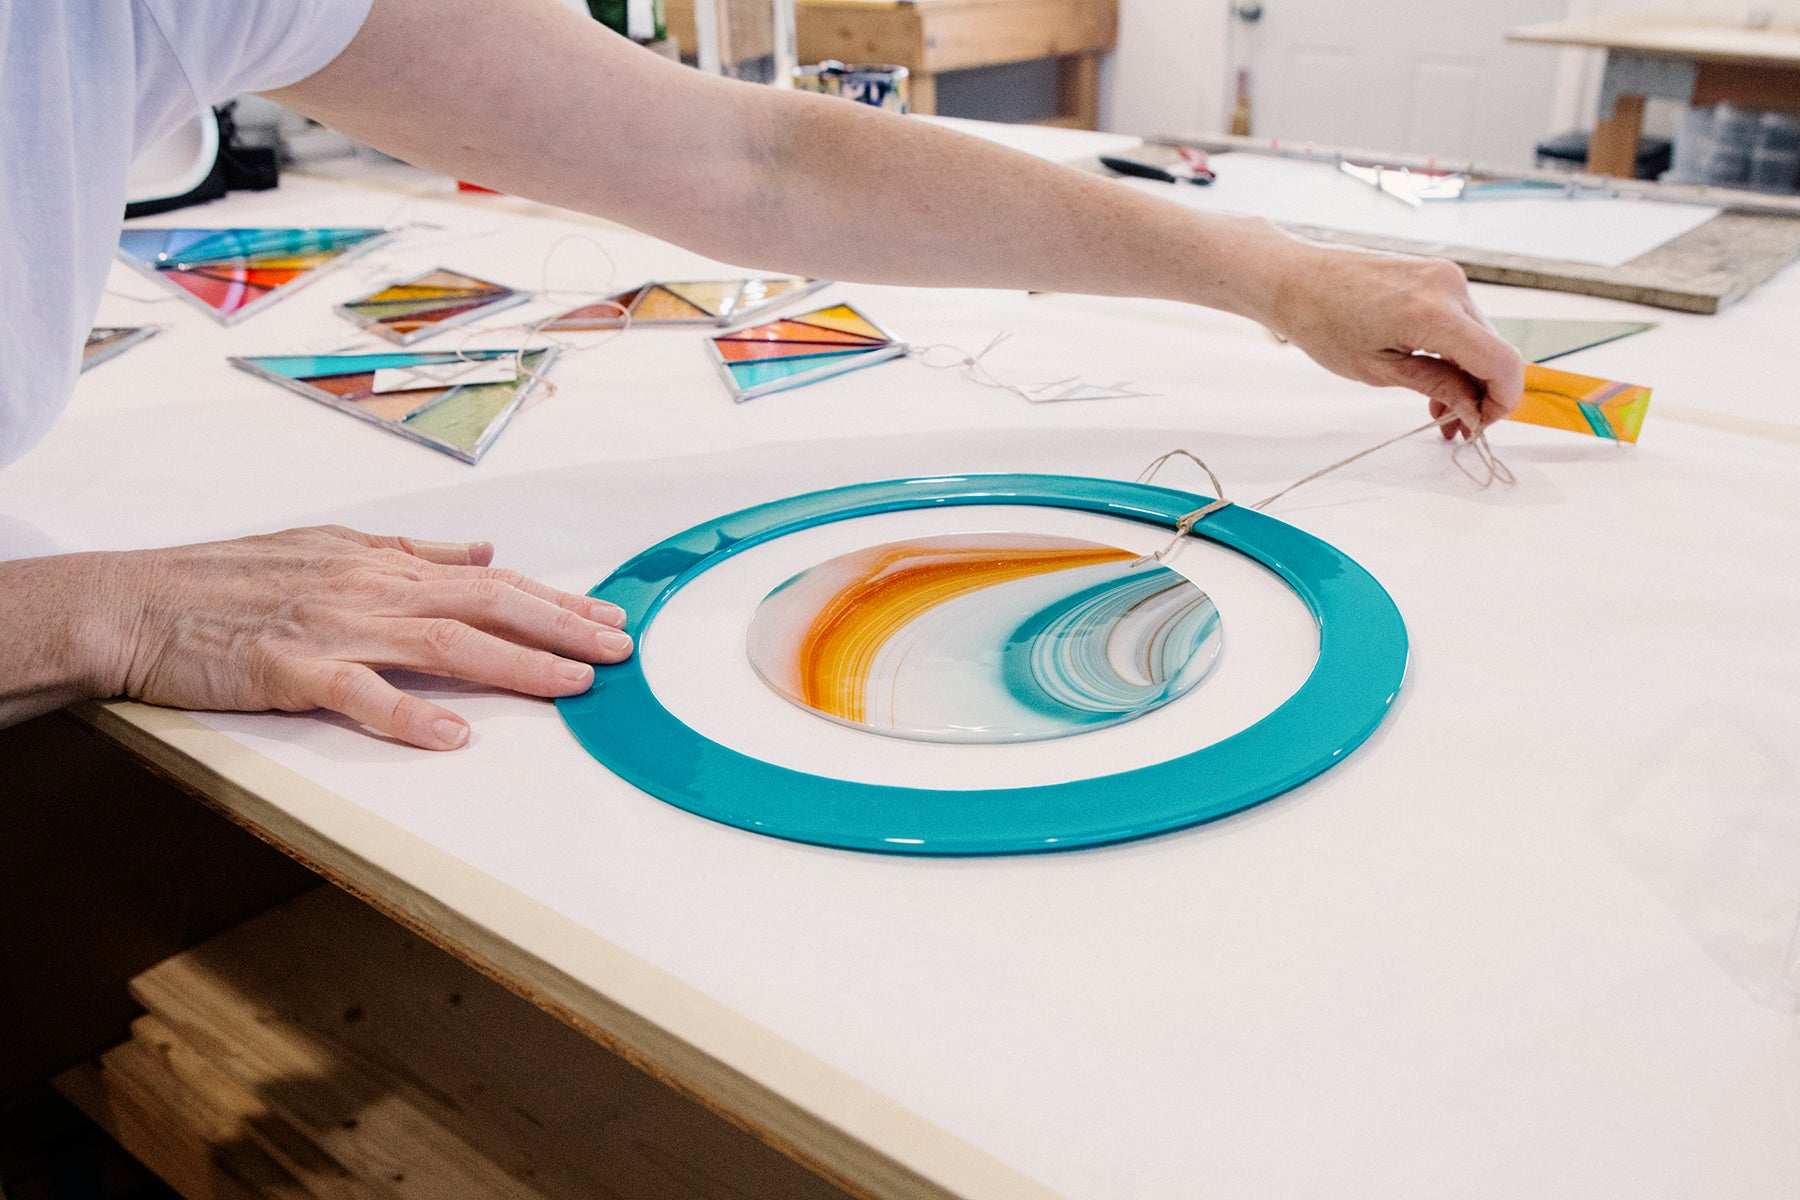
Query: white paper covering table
1454	966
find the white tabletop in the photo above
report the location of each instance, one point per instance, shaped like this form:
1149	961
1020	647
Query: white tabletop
1529	939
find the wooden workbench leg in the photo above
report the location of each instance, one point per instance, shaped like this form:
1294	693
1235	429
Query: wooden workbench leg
1613	148
921	93
1078	91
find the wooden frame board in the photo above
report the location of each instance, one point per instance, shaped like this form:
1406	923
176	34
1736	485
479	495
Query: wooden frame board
1702	271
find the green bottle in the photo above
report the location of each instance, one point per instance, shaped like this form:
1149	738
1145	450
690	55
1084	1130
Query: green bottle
639	20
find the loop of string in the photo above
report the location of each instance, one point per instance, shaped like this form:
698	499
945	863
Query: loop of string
972	369
1488	471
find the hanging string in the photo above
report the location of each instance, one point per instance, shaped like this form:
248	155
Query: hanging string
1491	471
973	369
535	330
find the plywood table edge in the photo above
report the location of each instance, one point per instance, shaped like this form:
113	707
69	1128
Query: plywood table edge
834	1125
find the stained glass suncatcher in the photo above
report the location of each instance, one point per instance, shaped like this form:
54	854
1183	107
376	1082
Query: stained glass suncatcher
415	308
997	637
799	350
688	302
110	341
1582	404
231	273
454	403
1354	681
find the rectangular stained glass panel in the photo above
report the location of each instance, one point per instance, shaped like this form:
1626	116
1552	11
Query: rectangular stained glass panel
1582	404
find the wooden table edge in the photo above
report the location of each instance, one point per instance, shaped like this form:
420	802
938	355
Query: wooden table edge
835	1126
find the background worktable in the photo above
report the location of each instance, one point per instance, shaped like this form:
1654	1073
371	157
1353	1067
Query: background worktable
1451	966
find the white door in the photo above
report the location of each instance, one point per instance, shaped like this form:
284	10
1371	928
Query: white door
1428	76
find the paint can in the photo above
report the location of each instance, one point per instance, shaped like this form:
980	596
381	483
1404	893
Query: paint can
879	86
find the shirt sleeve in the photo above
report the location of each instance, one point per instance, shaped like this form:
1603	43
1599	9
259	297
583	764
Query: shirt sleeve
228	47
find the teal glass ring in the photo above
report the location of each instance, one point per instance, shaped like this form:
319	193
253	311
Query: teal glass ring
1362	660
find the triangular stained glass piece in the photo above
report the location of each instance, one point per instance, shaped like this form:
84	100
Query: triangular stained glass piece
658	303
842	317
1540	340
716	297
106	341
461	421
796	331
229	270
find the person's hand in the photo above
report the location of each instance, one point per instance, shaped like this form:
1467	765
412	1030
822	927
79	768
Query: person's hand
304	619
1396	321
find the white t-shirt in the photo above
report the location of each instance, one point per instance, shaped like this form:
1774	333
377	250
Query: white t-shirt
85	85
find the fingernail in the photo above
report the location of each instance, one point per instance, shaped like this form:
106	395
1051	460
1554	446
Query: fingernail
613	640
450	734
606	614
574	672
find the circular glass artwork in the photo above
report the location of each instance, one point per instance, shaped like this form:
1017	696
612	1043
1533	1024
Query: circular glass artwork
985	637
1360	665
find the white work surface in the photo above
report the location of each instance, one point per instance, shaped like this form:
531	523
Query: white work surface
1528	940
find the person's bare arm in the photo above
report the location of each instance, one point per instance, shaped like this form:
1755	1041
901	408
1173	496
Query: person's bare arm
296	621
530	97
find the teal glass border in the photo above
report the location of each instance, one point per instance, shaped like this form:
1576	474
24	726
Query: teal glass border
1362	660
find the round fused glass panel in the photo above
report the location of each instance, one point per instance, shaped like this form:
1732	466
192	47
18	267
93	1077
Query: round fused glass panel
987	637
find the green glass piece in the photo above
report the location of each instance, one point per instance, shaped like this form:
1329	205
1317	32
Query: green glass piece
1540	340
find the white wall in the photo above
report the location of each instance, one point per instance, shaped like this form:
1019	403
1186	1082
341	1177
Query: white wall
1171	72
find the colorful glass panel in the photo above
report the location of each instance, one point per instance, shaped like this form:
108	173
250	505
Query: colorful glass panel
984	637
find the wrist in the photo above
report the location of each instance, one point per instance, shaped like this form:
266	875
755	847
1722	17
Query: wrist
60	638
1272	270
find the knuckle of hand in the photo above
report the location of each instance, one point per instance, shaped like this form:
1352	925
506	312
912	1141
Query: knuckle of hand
445	637
490	593
341	688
